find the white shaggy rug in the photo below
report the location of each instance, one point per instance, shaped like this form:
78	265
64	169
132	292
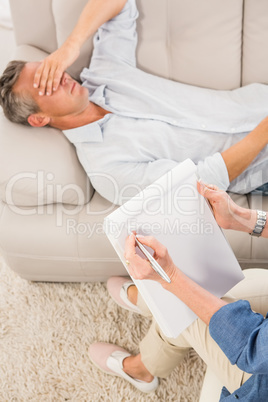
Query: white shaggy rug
45	333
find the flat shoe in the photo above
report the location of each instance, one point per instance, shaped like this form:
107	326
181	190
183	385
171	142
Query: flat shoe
109	359
117	287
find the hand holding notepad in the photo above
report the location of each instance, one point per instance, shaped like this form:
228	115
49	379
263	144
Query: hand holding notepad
172	210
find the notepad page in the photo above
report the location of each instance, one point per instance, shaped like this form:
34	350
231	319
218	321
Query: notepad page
172	210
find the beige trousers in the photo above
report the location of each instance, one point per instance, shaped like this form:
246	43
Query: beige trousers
161	355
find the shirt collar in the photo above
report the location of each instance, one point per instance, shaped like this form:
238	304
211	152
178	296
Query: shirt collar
89	133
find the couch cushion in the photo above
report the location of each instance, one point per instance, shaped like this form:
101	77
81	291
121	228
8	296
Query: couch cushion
39	166
65	20
59	242
199	45
34	24
255	39
29	53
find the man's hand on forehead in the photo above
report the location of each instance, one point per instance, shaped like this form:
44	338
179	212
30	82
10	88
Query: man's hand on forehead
49	73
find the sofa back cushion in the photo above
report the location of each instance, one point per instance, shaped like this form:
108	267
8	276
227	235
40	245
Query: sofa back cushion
34	24
255	39
65	19
192	42
178	40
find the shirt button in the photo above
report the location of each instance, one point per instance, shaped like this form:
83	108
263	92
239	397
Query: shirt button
232	129
236	396
203	126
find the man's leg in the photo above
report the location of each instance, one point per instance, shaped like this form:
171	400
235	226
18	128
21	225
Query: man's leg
263	190
159	355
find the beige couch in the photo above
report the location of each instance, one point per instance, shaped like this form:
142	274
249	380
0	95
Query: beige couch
50	216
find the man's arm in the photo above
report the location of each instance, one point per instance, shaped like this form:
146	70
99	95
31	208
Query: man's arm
95	13
239	156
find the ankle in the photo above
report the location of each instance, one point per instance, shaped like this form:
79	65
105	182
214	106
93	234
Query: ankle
132	294
134	367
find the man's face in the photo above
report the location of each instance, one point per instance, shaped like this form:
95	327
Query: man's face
69	100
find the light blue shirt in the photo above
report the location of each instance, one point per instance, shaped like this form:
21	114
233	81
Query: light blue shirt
157	123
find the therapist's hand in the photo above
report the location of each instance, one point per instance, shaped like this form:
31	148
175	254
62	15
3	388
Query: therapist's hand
140	268
224	208
227	213
49	73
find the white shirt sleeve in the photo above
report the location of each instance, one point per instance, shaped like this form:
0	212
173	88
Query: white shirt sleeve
212	170
117	38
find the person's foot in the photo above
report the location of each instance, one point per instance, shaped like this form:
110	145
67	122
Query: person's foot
132	294
113	360
134	367
123	291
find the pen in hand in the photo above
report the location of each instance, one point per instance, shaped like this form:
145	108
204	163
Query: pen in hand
153	262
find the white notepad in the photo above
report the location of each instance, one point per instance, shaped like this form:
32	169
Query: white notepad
172	210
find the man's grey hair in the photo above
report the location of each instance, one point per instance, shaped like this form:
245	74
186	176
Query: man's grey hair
17	107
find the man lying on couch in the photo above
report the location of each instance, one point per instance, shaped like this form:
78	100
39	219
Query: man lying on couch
130	127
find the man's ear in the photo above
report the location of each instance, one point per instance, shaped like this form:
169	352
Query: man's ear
37	120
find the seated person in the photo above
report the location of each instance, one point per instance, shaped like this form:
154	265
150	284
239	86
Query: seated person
228	335
130	127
